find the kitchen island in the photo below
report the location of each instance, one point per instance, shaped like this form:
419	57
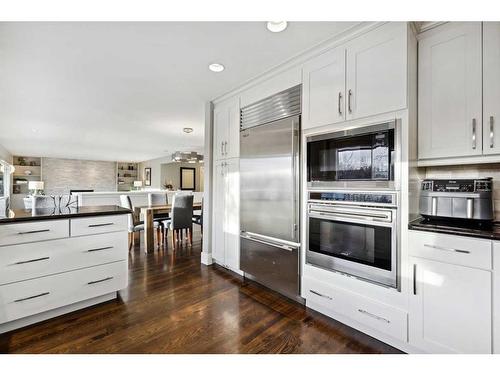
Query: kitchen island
57	260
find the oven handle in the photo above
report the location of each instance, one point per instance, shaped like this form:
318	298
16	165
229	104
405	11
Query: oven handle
359	216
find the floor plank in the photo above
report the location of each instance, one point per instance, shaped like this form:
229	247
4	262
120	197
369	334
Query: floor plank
174	304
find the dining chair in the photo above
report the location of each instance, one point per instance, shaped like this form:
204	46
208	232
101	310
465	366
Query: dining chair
134	224
198	219
181	218
159	199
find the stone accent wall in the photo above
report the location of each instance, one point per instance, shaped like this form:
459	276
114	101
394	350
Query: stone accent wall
471	171
62	175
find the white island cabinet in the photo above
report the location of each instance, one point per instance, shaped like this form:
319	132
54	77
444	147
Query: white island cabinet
53	263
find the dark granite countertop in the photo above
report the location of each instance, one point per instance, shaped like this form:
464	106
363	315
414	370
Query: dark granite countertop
15	216
460	228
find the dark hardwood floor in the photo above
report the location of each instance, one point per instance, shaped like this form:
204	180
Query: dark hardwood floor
173	304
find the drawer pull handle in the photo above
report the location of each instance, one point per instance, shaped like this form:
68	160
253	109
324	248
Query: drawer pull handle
32	297
100	225
98	249
321	295
32	260
34	231
374	316
447	249
100	281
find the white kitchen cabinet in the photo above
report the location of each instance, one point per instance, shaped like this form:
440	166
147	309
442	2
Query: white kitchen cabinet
324	89
491	87
226	229
450	308
364	77
449	91
496	297
226	141
376	79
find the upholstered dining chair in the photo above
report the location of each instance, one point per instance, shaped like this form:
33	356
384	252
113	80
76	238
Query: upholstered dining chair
181	218
134	224
198	219
159	199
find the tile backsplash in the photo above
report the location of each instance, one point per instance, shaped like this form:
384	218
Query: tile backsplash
471	171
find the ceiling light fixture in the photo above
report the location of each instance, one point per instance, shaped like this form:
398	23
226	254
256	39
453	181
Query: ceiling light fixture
215	67
187	157
187	130
276	26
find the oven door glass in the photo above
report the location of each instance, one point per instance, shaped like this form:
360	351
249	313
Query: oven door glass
361	243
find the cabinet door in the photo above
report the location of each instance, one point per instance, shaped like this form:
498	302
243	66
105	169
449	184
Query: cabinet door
491	87
323	100
376	71
232	147
450	308
221	128
232	214
218	216
449	91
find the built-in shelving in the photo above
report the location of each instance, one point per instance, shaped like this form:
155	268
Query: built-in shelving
27	168
126	174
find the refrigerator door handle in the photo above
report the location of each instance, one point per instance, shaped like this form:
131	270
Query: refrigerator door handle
283	246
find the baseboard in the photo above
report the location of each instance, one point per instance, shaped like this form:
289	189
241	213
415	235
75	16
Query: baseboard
29	320
206	258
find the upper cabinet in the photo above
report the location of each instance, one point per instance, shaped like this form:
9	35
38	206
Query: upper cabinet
365	77
226	143
324	89
491	87
449	91
376	71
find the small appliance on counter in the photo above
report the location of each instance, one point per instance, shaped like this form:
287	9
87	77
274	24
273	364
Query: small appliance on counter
459	200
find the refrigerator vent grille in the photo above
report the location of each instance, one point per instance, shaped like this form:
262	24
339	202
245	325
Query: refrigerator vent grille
281	105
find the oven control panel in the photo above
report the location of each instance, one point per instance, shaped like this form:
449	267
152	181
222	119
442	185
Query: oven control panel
354	197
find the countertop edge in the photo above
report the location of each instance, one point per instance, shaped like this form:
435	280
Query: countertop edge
106	211
493	236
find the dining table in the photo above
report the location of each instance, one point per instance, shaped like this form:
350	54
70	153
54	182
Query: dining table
147	212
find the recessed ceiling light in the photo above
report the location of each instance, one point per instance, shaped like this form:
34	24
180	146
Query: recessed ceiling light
216	67
187	130
277	26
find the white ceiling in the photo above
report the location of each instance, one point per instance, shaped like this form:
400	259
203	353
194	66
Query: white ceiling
124	91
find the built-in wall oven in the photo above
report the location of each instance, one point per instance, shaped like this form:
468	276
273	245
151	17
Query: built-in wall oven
355	233
360	158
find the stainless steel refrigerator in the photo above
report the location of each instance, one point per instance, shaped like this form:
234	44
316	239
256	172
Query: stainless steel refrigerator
269	193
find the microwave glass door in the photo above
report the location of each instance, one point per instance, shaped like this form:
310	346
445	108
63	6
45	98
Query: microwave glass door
364	157
361	243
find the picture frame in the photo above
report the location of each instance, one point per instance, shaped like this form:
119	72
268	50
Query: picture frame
188	178
147	176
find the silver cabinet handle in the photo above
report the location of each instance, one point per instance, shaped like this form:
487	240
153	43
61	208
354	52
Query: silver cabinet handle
100	225
374	316
32	297
98	249
473	133
222	148
100	281
414	279
447	249
349	101
32	260
321	295
492	132
225	148
34	231
339	103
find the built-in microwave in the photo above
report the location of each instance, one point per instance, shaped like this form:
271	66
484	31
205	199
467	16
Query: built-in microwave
357	158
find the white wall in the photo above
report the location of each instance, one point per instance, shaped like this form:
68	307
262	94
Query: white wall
171	173
164	170
5	155
155	165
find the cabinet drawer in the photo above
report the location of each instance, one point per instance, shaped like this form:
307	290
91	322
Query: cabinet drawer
11	234
381	317
98	224
19	300
32	260
464	251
